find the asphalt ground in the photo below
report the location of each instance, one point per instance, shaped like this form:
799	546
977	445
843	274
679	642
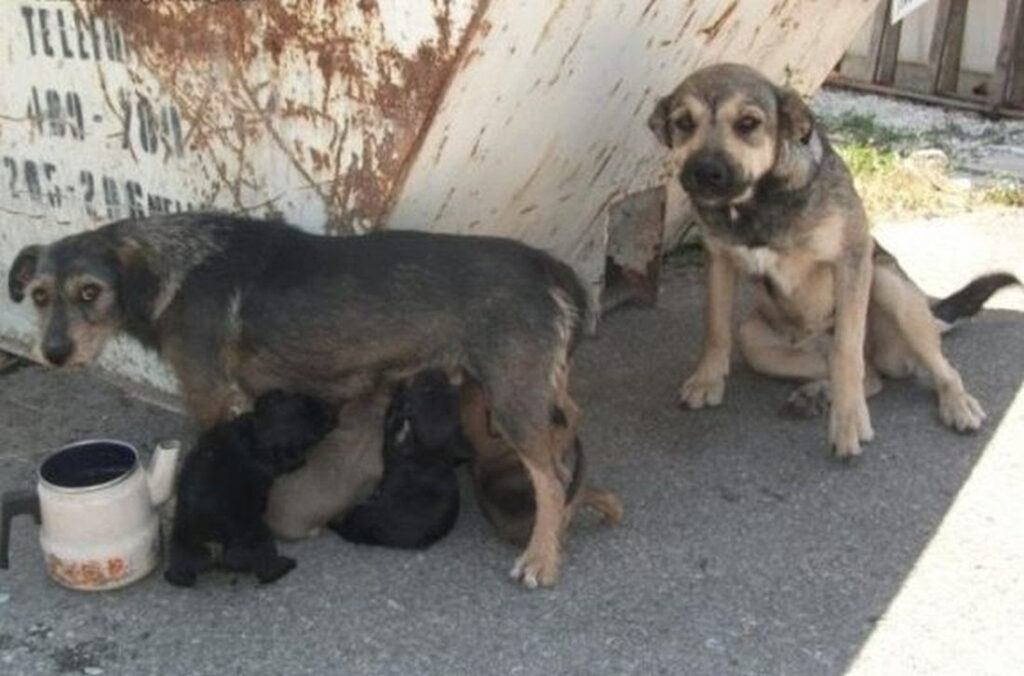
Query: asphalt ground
745	548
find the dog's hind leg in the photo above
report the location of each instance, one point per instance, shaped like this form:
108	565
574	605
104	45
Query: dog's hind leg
813	399
770	353
540	563
526	423
907	308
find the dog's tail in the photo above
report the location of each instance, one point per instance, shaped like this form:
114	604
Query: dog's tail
968	301
579	494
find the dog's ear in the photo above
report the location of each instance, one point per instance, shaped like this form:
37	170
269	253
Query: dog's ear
796	123
23	269
138	285
659	122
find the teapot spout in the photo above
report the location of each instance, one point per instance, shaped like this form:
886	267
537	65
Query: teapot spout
160	476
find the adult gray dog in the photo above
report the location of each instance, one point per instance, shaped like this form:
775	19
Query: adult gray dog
238	307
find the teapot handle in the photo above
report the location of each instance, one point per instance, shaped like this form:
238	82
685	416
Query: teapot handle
13	504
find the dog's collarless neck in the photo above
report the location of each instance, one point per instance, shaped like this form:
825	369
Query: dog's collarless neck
744	224
758	221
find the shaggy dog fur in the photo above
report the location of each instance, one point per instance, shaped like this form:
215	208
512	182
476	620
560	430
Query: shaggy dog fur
225	481
417	501
238	307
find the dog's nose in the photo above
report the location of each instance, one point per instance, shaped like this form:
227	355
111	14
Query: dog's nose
706	173
57	351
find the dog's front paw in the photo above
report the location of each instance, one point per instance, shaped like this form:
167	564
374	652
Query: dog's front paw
275	569
532	570
848	427
702	389
960	410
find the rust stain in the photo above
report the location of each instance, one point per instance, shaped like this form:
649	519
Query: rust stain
440	147
778	7
88	574
571	176
472	56
476	143
469	38
444	204
711	31
565	58
608	153
208	56
686	23
603	206
546	30
544	158
643	100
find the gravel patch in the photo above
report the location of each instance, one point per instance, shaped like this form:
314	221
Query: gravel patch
987	149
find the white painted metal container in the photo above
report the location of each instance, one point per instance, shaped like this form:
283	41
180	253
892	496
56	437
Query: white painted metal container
508	117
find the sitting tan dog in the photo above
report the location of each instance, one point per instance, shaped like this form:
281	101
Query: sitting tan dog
833	309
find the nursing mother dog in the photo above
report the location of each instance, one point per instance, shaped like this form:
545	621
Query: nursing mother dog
238	307
832	307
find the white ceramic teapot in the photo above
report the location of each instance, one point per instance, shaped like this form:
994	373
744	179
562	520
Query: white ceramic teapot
97	506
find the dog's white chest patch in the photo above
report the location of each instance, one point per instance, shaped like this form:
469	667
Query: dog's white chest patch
760	261
765	263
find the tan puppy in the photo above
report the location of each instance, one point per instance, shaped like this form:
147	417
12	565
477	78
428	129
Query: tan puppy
777	204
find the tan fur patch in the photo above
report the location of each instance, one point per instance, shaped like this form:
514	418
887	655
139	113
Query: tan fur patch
755	153
566	318
44	283
89	341
699	112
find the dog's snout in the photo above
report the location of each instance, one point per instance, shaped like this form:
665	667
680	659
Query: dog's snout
706	174
57	350
712	173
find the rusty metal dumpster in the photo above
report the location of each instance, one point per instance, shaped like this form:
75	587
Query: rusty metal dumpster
523	119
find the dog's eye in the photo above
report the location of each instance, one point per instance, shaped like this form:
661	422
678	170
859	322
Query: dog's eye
747	124
89	292
685	123
40	297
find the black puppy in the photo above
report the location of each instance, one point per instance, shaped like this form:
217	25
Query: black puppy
224	484
417	500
